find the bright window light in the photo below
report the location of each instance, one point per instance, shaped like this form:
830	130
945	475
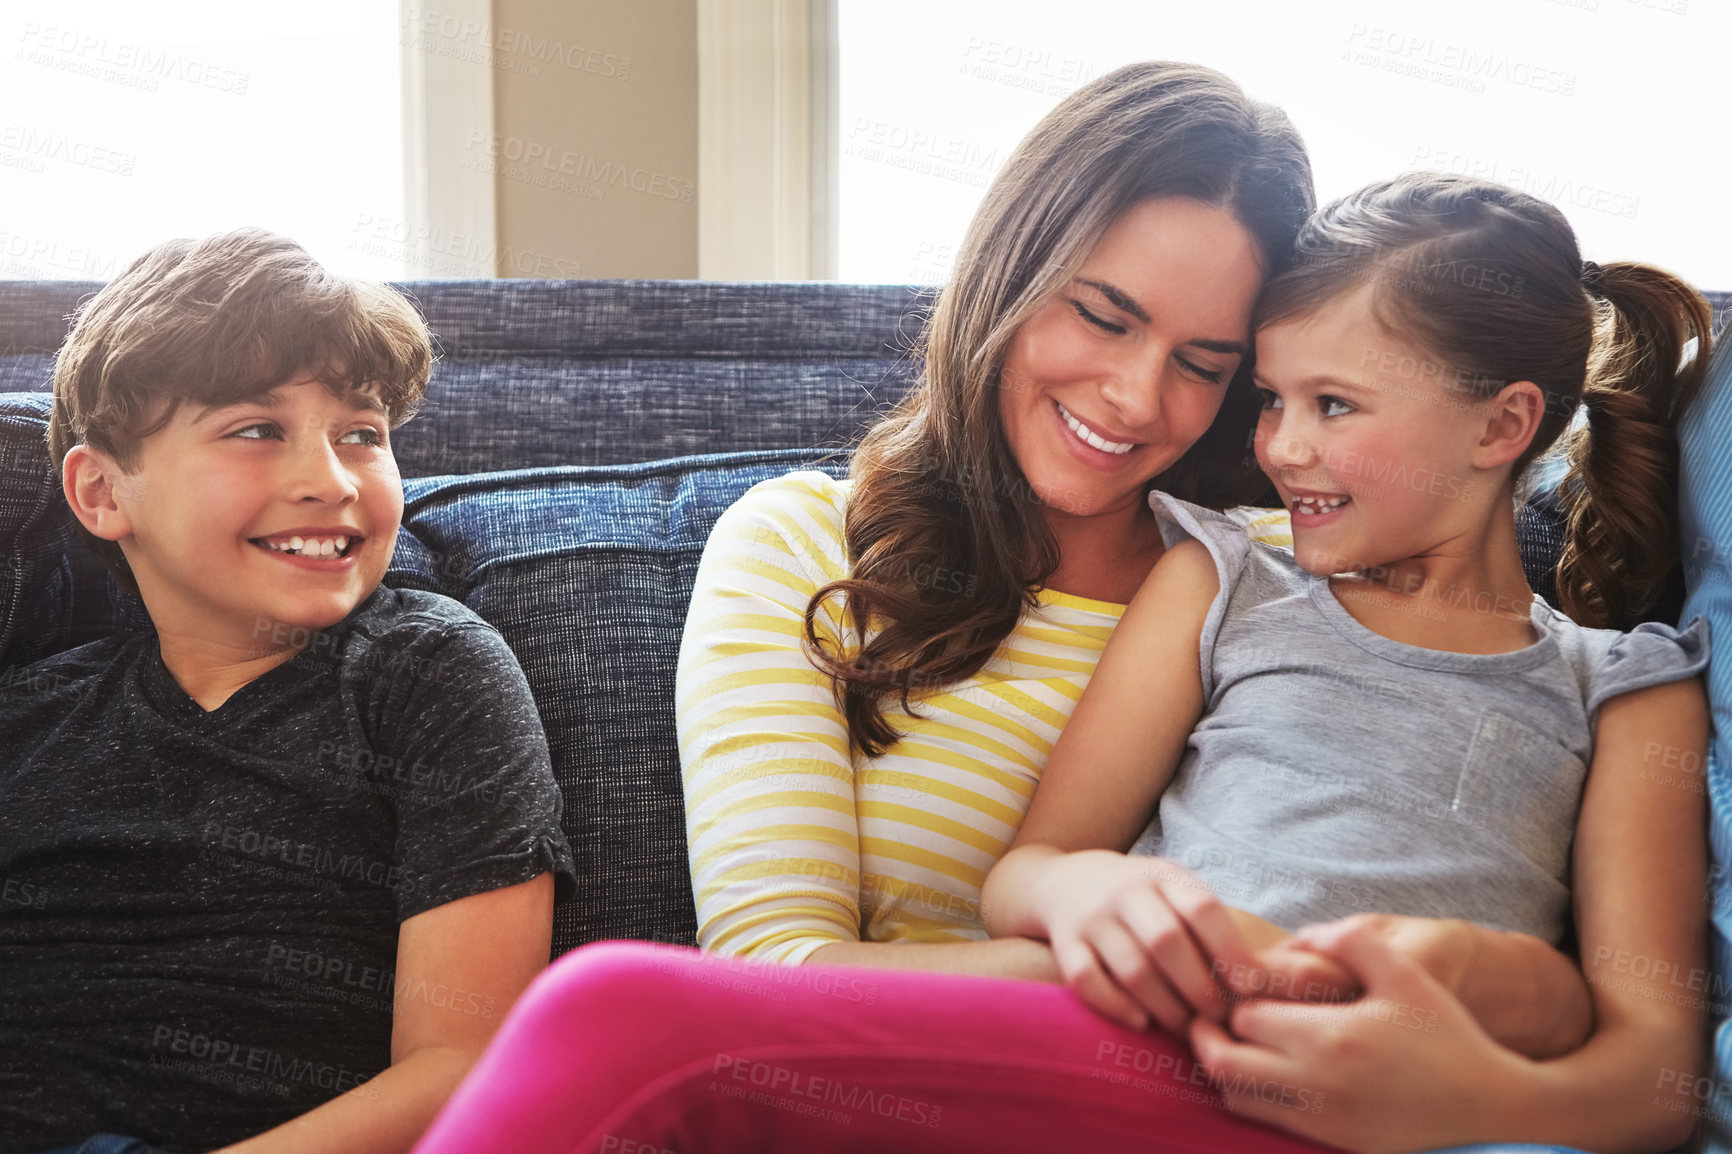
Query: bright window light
125	124
1612	109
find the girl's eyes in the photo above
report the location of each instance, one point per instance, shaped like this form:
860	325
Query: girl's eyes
1328	405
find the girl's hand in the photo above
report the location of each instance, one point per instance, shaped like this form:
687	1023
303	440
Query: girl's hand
1284	967
1140	938
1366	1075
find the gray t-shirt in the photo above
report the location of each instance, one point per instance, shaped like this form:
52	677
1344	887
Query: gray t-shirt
1335	771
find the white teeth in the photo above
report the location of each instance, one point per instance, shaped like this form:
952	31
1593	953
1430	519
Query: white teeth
309	546
1319	505
1093	438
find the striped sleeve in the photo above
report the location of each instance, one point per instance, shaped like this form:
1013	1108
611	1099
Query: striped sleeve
1270	526
764	753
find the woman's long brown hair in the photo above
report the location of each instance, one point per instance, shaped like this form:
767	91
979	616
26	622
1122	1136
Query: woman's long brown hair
947	544
1491	280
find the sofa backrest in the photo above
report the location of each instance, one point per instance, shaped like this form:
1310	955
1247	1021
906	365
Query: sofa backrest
541	373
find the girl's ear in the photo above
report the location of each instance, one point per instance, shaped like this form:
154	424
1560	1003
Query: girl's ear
1512	418
96	488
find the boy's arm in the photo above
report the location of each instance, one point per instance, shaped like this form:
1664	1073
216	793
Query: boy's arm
460	966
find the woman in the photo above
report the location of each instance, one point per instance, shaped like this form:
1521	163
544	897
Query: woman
1088	346
1091	344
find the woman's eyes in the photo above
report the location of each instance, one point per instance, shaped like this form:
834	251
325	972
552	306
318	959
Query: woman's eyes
1211	376
1098	322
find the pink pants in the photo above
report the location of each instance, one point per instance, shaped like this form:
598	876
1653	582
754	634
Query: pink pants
631	1048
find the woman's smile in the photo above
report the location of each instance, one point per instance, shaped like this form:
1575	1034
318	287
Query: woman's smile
1112	379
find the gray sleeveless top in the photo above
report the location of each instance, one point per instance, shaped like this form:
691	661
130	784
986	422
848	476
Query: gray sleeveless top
1336	771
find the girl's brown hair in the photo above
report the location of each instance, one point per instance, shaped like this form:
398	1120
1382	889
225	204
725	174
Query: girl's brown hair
1490	280
936	489
216	322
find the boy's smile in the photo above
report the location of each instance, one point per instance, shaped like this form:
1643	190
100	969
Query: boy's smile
277	511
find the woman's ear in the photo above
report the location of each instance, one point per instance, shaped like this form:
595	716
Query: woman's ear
96	488
1513	416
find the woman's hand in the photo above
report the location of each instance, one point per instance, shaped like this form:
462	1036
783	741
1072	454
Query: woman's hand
1524	993
1294	969
1140	938
1367	1075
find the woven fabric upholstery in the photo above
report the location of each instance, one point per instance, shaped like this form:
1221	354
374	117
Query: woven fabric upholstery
541	373
587	573
35	529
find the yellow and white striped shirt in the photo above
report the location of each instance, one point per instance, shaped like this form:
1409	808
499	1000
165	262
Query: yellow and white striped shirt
796	840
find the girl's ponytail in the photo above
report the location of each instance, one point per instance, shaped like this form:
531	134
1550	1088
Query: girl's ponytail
1620	499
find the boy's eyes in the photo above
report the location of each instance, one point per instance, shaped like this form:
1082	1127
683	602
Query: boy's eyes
268	430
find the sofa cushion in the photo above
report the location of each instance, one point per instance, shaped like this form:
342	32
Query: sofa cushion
587	573
35	532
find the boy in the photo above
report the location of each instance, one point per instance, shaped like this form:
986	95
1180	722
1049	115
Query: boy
295	846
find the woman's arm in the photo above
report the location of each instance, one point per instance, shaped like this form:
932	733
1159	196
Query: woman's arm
1136	937
482	951
1022	958
1640	866
764	751
768	772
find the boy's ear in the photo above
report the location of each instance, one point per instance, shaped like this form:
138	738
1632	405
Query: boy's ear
1513	416
95	487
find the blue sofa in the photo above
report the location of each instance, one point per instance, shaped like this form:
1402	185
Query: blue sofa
578	440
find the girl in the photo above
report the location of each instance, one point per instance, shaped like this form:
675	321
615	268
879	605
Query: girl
1388	719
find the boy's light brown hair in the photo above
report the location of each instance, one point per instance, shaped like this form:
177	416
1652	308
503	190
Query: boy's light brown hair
222	321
